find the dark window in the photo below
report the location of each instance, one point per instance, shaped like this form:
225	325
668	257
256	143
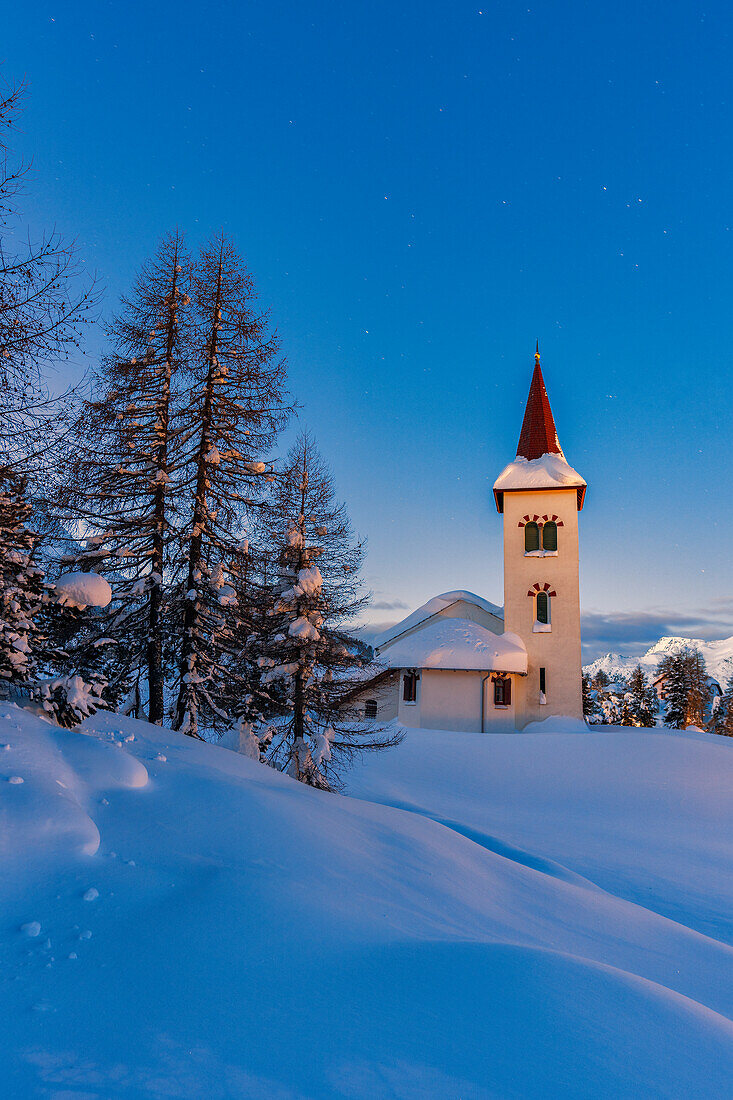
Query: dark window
543	607
370	708
549	536
409	687
543	681
502	692
531	537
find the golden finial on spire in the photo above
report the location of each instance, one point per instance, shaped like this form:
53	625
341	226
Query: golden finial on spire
537	353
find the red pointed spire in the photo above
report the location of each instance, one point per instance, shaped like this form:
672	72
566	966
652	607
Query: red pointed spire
539	435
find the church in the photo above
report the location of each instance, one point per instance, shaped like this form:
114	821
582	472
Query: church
461	663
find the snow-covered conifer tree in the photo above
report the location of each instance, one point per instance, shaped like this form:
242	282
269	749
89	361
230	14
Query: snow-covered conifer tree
685	689
642	699
33	615
592	710
310	657
234	409
22	587
721	720
128	459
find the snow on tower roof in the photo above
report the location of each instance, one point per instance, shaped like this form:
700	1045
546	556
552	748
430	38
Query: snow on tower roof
546	472
434	607
540	462
458	644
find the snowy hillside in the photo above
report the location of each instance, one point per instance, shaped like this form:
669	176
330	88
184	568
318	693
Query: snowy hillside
542	915
718	658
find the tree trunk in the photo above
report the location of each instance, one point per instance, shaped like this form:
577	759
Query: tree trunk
186	706
155	617
299	693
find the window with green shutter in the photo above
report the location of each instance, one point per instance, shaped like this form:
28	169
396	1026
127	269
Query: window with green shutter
531	537
543	607
549	536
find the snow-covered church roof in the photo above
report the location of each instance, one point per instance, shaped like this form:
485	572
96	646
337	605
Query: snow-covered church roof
458	644
434	607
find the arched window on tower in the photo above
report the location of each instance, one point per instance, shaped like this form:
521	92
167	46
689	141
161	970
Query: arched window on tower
531	537
542	611
549	535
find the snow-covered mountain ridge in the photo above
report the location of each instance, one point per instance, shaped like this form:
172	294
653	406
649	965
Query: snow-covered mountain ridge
718	657
545	914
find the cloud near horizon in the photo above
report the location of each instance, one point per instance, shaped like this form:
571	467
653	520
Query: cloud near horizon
633	632
389	605
629	633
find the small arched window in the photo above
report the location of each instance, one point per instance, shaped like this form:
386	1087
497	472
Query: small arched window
370	708
531	537
543	608
502	691
549	535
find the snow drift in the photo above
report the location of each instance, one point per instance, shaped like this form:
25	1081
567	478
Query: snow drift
178	920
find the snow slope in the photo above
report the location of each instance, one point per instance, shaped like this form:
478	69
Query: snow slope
179	921
718	657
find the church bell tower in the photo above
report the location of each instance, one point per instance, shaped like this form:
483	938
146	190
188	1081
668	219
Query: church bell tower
540	497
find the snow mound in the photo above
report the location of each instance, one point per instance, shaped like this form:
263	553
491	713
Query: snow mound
550	471
458	644
558	724
434	607
83	590
498	926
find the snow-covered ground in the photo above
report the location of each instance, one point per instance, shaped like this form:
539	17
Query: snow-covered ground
542	915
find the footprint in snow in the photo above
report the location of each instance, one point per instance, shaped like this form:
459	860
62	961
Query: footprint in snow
162	758
15	779
85	935
91	894
5	746
32	928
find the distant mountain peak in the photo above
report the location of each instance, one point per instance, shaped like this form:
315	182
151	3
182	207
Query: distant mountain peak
718	656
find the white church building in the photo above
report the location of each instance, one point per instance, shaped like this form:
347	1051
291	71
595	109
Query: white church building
461	663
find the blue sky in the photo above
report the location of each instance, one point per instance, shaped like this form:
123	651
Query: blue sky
421	191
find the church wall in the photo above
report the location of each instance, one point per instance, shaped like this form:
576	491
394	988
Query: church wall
557	650
452	701
386	694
